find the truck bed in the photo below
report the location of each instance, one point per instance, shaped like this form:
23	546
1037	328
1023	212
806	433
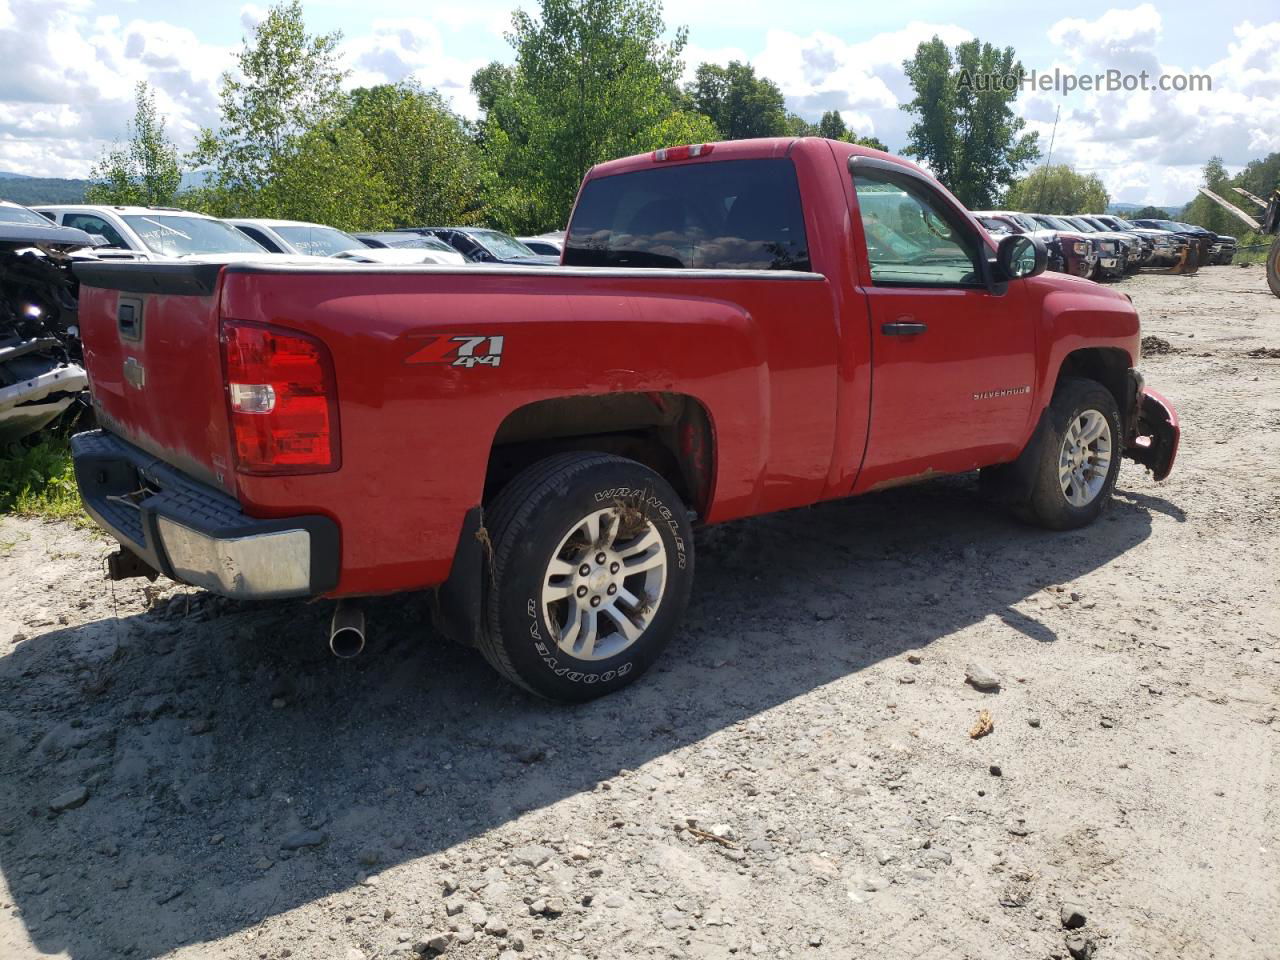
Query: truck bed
418	431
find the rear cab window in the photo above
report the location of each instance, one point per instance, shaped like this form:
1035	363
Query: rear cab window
725	215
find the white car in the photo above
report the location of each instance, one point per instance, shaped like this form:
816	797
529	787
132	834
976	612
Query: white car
547	244
406	256
317	240
155	233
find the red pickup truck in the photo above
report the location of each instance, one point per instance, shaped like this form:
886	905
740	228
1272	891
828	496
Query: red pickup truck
736	328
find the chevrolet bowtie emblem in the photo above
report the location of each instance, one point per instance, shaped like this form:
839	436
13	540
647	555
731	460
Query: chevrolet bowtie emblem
135	374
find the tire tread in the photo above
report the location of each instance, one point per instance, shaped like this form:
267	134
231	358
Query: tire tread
513	507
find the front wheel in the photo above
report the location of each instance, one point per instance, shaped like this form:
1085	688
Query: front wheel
591	573
1079	457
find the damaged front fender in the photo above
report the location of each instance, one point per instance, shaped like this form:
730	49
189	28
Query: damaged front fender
1155	437
48	385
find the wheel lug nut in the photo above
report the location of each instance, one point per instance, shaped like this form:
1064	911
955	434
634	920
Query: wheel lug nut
582	591
595	601
615	567
613	588
601	558
584	570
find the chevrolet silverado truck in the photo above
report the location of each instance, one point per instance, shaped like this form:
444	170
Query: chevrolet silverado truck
735	328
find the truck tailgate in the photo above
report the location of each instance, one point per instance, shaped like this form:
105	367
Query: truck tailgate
151	348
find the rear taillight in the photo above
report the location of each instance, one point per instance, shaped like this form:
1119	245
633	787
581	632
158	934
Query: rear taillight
281	398
684	153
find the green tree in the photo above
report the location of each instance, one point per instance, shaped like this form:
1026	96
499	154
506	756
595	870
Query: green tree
1260	177
145	169
739	103
421	150
833	127
1058	189
333	176
288	83
965	130
1205	212
593	80
1148	213
798	126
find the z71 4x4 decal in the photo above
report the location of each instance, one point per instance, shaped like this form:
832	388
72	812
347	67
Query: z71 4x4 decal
459	351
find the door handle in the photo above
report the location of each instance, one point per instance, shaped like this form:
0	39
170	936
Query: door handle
129	317
903	328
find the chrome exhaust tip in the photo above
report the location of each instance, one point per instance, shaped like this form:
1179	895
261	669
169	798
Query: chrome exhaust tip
346	631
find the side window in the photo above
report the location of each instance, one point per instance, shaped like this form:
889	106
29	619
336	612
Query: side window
91	224
464	244
260	238
913	239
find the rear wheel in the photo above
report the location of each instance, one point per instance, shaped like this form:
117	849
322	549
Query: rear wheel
1273	267
1079	459
591	574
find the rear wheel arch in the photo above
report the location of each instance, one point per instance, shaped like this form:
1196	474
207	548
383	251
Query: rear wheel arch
671	433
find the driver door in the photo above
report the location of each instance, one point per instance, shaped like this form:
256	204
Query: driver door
953	361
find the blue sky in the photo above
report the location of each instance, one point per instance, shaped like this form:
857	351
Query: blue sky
67	68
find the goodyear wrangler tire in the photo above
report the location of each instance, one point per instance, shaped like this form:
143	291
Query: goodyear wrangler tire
1273	267
591	573
1079	459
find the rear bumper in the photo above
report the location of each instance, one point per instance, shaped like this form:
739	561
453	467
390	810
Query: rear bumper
197	535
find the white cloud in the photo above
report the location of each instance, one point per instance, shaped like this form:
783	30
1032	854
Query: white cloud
1149	146
67	82
864	81
250	16
1117	35
67	78
414	48
694	55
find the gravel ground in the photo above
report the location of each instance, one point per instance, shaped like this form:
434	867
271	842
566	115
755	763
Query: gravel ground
187	777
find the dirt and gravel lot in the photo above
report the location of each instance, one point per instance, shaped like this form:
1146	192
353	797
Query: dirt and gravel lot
186	777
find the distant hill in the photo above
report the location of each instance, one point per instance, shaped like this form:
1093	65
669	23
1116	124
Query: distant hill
31	190
28	190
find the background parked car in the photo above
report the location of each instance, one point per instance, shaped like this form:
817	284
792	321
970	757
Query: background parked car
547	244
154	233
1110	259
1166	248
1200	240
1069	251
1128	248
433	250
1141	247
318	240
485	246
401	256
295	236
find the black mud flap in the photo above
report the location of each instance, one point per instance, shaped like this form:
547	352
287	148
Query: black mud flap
1155	444
458	607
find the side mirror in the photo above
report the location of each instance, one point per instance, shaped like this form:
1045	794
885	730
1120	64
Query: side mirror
1019	256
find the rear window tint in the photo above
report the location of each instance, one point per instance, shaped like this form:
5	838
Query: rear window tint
730	215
